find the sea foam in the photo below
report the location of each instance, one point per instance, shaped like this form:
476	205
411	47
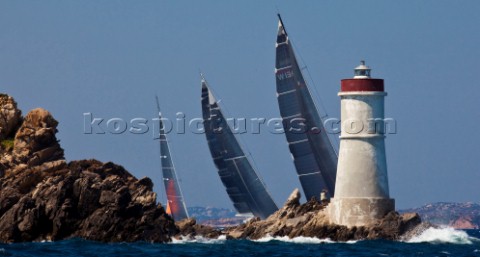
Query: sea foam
443	235
299	240
199	240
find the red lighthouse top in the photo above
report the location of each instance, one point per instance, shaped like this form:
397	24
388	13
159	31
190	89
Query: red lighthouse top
362	81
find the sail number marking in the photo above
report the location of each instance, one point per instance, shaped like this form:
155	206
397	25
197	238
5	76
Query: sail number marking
284	74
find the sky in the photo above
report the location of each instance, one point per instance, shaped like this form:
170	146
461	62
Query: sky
110	59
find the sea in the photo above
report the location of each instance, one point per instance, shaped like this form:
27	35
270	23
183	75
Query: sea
432	242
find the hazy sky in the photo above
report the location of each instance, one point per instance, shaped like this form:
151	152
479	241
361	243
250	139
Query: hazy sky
110	58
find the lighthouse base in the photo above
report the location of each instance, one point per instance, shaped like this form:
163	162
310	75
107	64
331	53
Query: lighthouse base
352	212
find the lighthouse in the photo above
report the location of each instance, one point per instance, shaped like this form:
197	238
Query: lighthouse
361	188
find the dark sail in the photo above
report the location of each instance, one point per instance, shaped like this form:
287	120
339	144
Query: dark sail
175	203
313	154
244	187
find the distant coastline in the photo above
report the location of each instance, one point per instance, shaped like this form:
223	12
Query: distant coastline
456	215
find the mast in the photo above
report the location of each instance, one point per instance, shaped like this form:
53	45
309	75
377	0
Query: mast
175	203
313	154
242	183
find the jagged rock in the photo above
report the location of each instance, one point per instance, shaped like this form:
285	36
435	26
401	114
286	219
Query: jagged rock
311	220
35	140
10	116
83	199
189	228
44	198
294	198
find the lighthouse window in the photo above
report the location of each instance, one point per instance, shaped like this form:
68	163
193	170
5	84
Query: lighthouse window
362	73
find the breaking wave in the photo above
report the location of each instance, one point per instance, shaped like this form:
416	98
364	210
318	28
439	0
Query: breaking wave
300	240
199	240
296	240
443	235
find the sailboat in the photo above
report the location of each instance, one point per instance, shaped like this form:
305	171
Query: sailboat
244	187
175	204
314	156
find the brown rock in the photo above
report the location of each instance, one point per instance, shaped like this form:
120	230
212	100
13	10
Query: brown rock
73	202
311	220
188	228
44	198
35	140
10	117
294	198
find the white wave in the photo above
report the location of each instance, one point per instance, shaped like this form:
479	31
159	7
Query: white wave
351	241
443	235
199	240
300	240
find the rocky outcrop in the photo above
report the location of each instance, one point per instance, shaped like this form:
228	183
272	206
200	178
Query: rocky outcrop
10	116
188	228
35	146
35	142
42	197
310	220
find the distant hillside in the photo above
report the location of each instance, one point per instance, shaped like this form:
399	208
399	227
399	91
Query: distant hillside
215	217
457	215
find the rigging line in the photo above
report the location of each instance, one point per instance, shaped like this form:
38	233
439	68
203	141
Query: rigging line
324	110
305	67
297	51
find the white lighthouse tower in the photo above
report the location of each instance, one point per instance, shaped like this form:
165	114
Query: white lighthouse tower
361	189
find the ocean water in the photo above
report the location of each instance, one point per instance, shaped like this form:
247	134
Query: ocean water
433	242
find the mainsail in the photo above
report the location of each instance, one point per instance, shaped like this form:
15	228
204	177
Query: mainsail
244	187
175	204
313	154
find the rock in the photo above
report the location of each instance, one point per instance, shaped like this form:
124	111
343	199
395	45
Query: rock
409	221
44	198
81	199
10	117
188	228
311	220
35	140
294	198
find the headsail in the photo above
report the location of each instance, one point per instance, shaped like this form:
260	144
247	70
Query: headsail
313	154
175	204
244	187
